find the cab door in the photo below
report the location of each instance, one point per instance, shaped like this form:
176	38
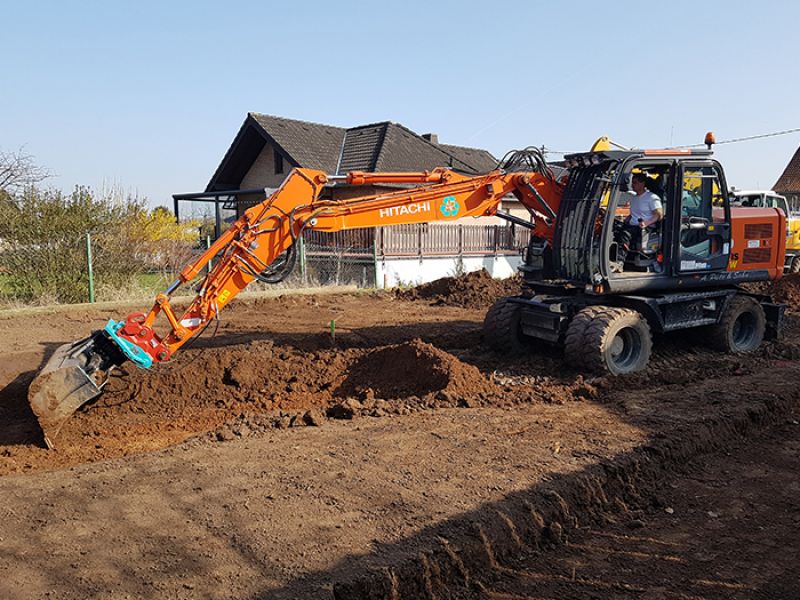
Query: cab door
704	222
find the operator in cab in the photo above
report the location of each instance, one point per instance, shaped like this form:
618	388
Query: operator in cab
645	211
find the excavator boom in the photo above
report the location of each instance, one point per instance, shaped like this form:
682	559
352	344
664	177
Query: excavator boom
260	245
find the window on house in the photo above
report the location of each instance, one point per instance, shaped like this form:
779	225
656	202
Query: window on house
278	163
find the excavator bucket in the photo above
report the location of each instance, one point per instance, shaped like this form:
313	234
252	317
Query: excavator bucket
67	382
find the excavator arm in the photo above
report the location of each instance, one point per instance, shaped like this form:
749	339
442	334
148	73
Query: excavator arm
261	245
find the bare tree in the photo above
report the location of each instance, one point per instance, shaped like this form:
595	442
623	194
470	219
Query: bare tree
17	170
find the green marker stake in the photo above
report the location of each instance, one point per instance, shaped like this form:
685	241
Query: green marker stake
89	263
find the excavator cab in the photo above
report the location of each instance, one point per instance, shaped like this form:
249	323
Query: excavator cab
689	243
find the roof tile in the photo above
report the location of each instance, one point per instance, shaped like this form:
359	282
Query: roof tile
362	146
789	181
311	145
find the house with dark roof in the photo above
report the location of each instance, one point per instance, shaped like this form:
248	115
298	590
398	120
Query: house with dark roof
267	148
788	183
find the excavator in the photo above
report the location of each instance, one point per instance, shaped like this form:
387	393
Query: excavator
686	276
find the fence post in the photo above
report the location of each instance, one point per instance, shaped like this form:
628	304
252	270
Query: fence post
89	263
301	252
375	233
208	245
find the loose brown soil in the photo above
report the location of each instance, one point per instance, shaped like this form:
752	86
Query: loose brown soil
785	290
710	531
473	290
271	460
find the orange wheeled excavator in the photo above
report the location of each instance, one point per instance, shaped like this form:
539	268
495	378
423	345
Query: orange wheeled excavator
686	275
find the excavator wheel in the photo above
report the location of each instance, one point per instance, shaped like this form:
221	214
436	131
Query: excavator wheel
794	266
573	341
609	340
741	327
501	327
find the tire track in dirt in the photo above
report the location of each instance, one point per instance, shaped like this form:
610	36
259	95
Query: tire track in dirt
468	552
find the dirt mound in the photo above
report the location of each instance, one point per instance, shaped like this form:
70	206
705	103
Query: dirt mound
234	391
258	376
390	380
413	369
785	290
472	290
262	376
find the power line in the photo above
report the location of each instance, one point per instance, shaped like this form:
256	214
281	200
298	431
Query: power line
745	139
730	141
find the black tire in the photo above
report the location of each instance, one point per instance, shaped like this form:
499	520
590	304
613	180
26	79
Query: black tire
573	340
501	329
741	327
794	266
616	341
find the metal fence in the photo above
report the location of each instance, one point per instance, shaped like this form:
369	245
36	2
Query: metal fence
434	239
350	257
339	258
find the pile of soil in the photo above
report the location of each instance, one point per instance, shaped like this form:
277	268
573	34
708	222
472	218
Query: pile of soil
785	290
413	369
252	387
472	290
389	380
263	376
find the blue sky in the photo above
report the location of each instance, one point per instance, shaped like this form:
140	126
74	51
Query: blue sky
148	96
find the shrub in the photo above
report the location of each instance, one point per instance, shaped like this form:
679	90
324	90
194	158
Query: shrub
43	242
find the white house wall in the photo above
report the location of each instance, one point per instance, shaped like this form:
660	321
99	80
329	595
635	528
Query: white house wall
396	271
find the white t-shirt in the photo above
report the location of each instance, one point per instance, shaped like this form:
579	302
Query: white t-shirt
644	207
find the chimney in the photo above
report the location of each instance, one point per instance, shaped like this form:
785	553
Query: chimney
433	138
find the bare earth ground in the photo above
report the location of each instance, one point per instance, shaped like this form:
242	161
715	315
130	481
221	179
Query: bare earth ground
400	459
726	527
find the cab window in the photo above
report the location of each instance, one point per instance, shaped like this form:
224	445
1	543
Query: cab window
702	208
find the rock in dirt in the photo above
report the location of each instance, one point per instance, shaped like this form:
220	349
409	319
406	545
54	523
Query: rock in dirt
314	418
341	411
225	435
